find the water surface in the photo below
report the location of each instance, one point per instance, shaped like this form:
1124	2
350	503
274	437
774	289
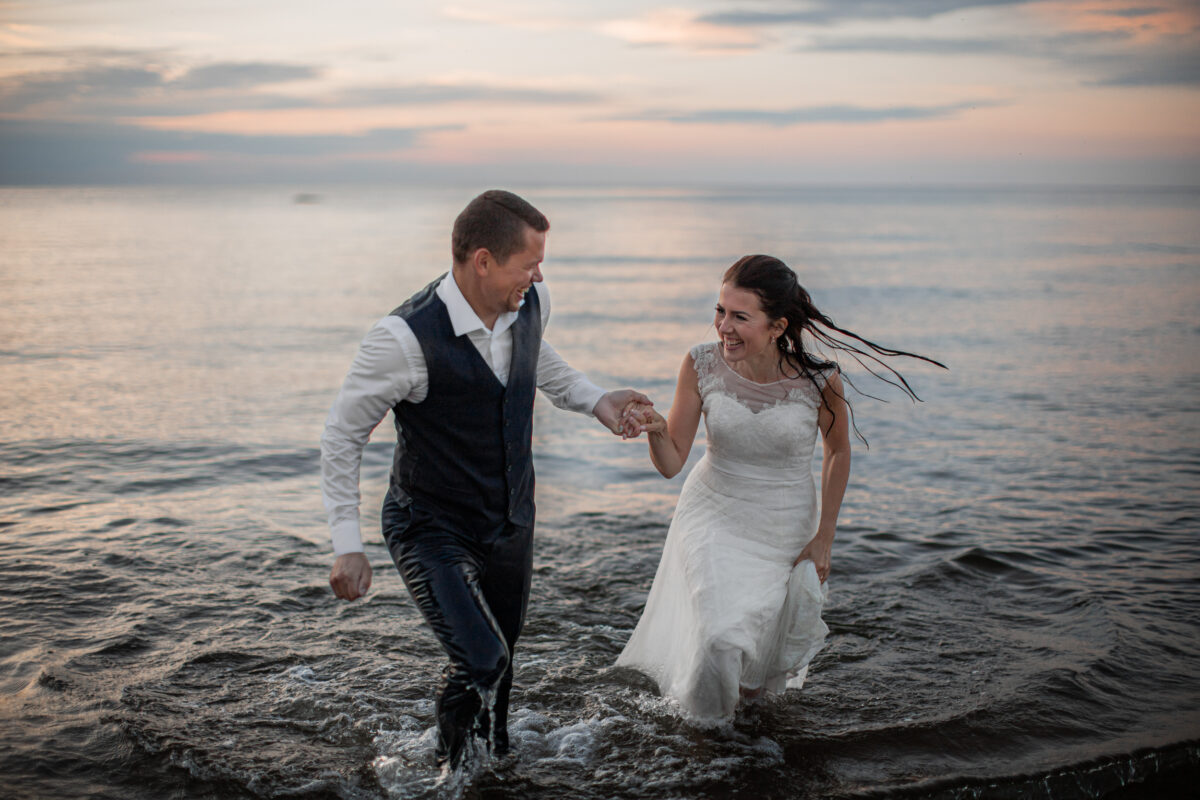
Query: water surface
1015	594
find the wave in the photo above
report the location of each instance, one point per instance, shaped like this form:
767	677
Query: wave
142	467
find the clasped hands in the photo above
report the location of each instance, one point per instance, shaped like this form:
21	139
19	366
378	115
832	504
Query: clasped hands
642	418
627	413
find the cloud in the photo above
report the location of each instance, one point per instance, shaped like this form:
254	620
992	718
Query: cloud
19	92
19	134
13	34
826	12
1042	46
243	75
185	104
105	85
662	27
907	45
811	115
177	104
107	91
1112	58
437	94
677	27
1175	67
380	140
60	152
93	55
1136	12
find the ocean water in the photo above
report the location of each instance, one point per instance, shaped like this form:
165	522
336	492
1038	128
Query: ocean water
1015	598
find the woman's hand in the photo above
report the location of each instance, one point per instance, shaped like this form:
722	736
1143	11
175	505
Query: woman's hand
818	551
649	420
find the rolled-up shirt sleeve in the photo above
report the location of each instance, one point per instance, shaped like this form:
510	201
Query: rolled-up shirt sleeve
388	368
565	386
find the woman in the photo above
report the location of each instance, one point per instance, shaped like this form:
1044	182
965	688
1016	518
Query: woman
735	608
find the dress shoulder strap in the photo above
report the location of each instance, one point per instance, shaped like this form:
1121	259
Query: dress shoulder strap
704	359
824	375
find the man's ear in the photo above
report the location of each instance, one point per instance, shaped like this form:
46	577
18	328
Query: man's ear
481	261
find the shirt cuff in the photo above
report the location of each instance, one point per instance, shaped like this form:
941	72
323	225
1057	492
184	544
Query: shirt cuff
346	537
588	395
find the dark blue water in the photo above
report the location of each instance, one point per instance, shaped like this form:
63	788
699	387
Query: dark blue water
1016	581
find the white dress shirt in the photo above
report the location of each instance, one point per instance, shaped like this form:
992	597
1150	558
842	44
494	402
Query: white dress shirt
390	367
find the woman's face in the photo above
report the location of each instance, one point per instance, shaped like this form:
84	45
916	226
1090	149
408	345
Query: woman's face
745	329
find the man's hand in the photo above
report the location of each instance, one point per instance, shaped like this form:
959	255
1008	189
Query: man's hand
351	576
613	409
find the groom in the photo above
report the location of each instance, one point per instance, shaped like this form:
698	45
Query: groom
457	363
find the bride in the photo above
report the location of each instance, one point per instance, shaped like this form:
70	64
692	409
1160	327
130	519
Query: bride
735	607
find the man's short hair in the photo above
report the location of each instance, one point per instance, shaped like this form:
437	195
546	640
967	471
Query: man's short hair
495	220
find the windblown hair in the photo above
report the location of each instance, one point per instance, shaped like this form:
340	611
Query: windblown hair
495	220
783	297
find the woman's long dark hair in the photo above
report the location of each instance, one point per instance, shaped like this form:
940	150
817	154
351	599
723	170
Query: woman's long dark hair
783	297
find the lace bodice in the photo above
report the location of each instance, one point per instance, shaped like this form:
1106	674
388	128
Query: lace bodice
772	425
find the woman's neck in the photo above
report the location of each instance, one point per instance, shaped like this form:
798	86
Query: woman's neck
763	368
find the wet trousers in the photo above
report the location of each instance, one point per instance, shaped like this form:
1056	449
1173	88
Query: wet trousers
471	583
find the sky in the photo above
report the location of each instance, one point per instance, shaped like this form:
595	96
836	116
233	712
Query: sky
577	91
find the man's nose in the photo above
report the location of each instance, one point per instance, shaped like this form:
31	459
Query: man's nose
536	277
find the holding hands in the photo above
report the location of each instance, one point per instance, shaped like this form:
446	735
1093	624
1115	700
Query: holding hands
616	410
646	419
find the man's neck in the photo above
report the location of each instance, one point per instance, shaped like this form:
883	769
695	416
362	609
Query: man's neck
470	291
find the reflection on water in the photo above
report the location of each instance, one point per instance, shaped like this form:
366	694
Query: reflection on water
1014	604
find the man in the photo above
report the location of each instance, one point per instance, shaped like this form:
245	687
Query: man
457	364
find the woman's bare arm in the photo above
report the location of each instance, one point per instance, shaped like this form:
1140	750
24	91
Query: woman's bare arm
834	422
671	439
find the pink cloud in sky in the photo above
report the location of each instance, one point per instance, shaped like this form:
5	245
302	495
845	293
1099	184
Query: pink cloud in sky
1145	22
679	27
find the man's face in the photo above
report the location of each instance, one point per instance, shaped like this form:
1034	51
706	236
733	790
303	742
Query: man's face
507	282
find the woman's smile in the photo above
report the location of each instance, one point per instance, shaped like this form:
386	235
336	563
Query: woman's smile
746	331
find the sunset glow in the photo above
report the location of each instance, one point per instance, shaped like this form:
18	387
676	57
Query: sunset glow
708	90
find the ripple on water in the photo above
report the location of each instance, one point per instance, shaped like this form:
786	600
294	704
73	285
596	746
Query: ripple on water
1166	773
91	468
255	721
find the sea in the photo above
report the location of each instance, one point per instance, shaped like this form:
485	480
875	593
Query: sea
1014	605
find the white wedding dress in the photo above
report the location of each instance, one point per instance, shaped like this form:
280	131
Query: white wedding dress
727	610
